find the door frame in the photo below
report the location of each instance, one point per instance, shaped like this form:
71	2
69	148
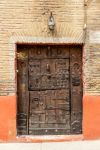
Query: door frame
14	40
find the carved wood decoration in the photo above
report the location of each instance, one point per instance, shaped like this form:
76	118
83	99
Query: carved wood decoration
49	83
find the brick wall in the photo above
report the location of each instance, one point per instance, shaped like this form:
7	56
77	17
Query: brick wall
92	48
91	99
29	18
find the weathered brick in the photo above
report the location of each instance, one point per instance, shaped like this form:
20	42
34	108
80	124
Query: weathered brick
27	20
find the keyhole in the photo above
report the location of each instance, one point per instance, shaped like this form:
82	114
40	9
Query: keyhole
48	67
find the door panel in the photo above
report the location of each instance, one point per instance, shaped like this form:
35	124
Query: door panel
51	111
48	74
49	90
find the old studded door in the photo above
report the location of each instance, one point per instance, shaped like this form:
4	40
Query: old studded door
49	83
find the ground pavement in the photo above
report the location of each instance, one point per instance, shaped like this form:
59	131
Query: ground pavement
78	145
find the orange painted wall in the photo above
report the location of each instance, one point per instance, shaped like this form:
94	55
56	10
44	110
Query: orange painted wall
7	118
91	121
91	117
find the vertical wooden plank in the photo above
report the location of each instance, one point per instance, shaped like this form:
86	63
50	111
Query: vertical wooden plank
76	89
23	94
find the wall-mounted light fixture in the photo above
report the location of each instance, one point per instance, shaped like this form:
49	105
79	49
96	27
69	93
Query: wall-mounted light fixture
51	22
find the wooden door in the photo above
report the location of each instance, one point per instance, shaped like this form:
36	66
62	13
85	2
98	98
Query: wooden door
76	90
49	90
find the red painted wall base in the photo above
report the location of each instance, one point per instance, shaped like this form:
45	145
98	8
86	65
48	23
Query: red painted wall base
91	122
7	118
91	117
